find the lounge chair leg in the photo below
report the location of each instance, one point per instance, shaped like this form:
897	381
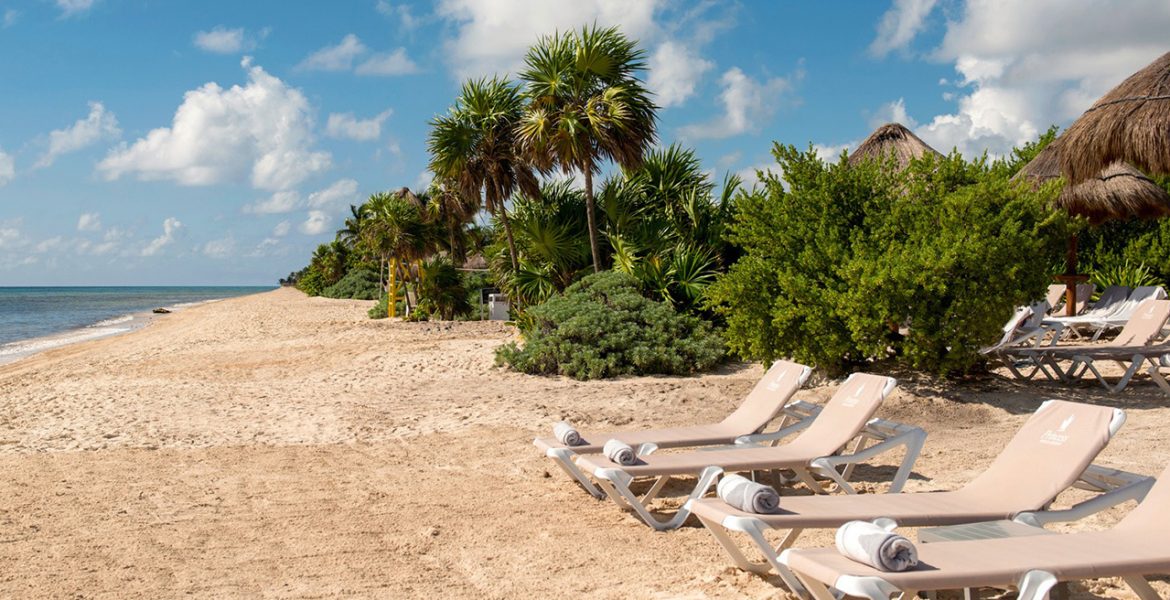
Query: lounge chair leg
564	459
1141	587
737	556
1156	374
1035	585
914	442
616	484
756	532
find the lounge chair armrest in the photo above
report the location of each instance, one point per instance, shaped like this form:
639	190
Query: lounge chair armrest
802	411
891	436
1135	490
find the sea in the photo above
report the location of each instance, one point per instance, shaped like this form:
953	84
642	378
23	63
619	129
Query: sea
33	319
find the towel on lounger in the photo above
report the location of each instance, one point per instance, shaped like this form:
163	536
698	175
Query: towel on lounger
567	434
619	453
883	550
747	495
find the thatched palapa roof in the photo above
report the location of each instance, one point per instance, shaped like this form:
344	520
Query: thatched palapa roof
1130	123
891	138
1117	192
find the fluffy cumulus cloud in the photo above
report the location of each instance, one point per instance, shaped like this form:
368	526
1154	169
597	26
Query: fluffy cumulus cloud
675	69
7	168
317	222
901	23
345	55
222	40
747	104
98	125
89	222
892	112
347	126
1016	79
491	36
260	132
281	229
219	249
171	227
342	192
401	12
11	236
284	201
70	8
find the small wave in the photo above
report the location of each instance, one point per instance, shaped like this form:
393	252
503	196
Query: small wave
113	321
39	344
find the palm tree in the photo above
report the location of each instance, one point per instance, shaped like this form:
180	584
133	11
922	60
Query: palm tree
451	212
586	105
474	146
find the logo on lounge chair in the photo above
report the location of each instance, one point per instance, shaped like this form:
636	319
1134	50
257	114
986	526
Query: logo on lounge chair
1058	437
775	385
853	400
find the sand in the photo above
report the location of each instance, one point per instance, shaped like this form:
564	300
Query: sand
282	446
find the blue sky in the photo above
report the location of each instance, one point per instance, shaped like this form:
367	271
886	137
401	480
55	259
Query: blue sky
218	142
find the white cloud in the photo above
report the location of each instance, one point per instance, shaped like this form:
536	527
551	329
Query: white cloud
899	26
283	201
345	125
335	58
747	105
222	40
10	16
1016	79
89	222
49	245
10	235
892	112
260	132
7	168
674	70
281	229
492	36
342	192
74	7
424	179
399	11
171	227
220	249
831	152
388	63
99	124
315	223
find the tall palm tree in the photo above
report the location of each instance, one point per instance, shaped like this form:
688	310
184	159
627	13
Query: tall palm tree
474	145
586	105
451	212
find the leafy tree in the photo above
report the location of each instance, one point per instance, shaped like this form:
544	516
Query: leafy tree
586	105
442	287
474	147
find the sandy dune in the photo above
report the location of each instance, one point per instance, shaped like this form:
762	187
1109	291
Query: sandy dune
282	446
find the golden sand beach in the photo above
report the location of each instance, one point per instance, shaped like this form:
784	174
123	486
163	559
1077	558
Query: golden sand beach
282	446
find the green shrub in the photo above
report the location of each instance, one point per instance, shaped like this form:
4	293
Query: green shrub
1114	272
357	284
840	258
441	288
602	326
380	310
312	282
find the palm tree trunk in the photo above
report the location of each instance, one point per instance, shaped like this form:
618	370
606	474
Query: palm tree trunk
503	214
593	247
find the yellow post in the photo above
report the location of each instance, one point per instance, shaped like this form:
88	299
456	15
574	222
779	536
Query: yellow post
392	293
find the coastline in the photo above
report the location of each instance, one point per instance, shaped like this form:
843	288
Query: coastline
280	445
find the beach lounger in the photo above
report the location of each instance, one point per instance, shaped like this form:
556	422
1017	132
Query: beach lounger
1057	295
1132	346
1023	329
768	400
1098	323
1051	452
1135	548
816	452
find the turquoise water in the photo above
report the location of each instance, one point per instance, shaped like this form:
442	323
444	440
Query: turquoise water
34	312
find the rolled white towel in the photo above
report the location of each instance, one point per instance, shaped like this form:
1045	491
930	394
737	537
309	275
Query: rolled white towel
619	453
747	495
567	434
870	544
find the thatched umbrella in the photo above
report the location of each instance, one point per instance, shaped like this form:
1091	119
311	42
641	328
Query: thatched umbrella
1131	123
1117	192
891	138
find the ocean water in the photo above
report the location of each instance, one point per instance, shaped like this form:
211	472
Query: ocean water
36	318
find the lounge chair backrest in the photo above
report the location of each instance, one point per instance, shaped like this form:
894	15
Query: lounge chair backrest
1036	317
1151	513
1111	299
1145	324
1126	309
1055	293
1048	453
1084	295
767	399
844	415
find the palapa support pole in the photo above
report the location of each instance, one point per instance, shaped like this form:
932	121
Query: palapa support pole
1070	268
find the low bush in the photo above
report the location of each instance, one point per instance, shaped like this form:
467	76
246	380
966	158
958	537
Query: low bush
441	291
381	309
602	326
357	284
312	282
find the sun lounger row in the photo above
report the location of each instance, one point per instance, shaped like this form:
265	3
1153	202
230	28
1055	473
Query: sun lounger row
1052	452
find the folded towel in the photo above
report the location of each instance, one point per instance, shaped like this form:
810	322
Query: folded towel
883	550
747	495
619	453
567	434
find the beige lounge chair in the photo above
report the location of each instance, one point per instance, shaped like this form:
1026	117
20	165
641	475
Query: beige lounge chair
767	400
1133	344
1051	452
1136	547
815	452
